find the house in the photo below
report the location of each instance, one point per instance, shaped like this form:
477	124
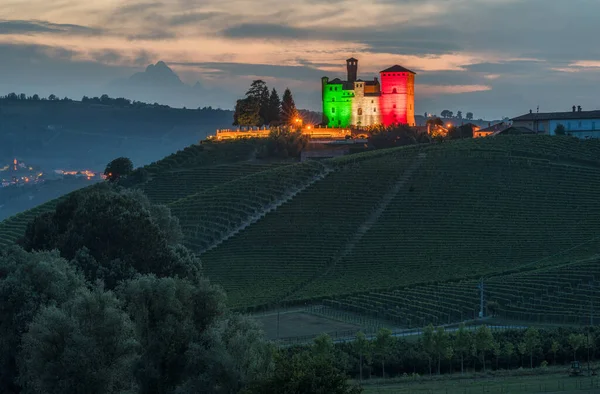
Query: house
491	130
578	123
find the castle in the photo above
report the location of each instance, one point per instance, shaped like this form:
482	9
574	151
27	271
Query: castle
355	102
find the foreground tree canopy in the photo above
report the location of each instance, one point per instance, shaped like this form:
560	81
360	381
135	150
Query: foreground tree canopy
112	234
104	299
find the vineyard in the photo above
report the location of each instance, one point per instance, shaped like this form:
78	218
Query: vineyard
400	235
564	295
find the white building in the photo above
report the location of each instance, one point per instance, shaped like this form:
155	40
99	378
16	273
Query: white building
578	123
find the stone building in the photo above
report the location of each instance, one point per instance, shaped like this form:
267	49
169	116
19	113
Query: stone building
355	102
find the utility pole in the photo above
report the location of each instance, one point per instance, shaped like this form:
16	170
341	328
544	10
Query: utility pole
592	304
481	299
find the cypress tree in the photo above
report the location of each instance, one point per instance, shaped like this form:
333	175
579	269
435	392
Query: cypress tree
274	107
288	107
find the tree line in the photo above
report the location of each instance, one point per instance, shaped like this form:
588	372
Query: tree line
262	107
438	351
104	99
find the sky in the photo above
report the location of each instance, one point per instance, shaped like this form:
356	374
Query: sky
494	58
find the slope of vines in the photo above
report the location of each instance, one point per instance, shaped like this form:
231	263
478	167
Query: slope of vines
564	294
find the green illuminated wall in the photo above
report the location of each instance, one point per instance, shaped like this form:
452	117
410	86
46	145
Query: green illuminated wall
337	105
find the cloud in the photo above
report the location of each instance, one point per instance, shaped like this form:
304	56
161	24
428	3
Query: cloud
434	90
193	17
34	26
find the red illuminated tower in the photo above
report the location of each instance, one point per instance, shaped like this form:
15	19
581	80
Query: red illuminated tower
397	100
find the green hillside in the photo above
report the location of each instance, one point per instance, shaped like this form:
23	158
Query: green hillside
402	235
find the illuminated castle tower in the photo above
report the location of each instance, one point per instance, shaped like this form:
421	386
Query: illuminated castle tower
355	102
397	99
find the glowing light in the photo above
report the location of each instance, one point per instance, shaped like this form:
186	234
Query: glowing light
449	125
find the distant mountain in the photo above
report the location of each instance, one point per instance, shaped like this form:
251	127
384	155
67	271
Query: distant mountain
159	83
156	75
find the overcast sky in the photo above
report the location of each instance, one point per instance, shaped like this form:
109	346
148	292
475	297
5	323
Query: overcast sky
492	57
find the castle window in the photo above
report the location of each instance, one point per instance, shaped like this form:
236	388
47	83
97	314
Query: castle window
371	101
374	109
333	99
330	88
333	110
359	111
394	91
394	105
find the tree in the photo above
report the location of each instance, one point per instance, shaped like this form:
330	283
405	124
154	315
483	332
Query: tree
441	344
459	114
429	343
363	348
446	113
188	337
113	234
52	97
274	110
508	350
576	341
283	143
86	345
28	282
247	113
118	168
288	108
462	344
560	130
554	348
497	350
383	346
35	97
532	343
469	115
307	371
483	342
259	94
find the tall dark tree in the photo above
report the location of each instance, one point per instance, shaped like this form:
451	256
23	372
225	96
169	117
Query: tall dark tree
274	107
259	93
288	107
247	113
469	115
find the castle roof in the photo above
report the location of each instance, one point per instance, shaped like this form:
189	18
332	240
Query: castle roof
397	69
352	59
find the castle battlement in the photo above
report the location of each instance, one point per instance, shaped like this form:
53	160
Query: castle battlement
355	102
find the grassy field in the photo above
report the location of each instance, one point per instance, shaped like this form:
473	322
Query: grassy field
294	324
551	383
